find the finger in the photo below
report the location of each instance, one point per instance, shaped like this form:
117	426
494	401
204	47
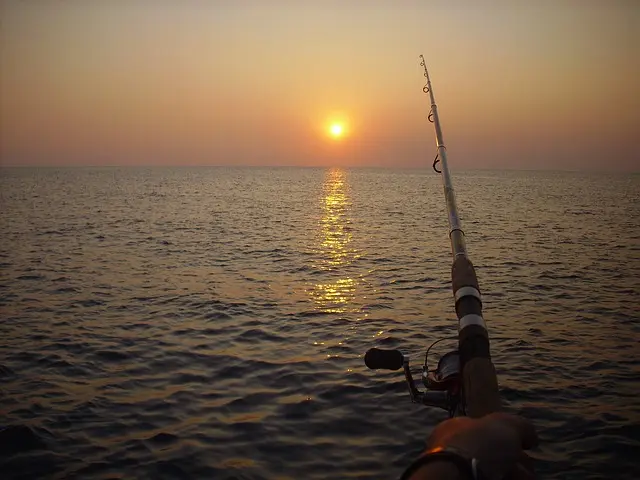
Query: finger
523	427
447	429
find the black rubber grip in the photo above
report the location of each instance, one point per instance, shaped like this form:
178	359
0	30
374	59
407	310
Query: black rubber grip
377	359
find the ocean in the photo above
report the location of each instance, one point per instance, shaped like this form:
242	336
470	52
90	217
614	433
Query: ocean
212	322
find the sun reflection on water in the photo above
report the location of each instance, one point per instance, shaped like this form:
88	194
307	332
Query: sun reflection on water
335	295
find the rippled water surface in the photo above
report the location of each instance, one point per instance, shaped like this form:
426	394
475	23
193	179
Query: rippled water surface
211	323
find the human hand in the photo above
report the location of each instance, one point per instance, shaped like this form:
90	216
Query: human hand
497	441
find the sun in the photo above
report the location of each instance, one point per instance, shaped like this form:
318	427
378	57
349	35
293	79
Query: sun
336	127
336	130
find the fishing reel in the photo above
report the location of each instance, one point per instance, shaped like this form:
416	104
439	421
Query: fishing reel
442	383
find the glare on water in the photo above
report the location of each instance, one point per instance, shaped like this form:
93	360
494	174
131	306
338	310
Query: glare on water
336	253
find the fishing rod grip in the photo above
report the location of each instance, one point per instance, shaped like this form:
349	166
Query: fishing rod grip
479	381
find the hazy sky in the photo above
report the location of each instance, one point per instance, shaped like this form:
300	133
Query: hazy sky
519	84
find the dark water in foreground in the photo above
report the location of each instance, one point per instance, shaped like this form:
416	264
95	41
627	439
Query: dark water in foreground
211	323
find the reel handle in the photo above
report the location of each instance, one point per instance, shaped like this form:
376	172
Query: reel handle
378	359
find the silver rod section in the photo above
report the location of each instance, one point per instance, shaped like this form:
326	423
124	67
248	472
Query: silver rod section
456	234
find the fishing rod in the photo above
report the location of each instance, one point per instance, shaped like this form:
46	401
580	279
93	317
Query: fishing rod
464	381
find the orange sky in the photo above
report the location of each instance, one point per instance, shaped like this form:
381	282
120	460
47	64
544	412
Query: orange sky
554	85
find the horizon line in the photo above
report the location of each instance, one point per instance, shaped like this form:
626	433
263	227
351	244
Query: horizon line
344	167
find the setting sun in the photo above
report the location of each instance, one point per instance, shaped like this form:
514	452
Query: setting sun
336	126
336	130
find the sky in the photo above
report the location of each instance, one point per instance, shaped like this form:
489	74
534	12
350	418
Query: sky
519	84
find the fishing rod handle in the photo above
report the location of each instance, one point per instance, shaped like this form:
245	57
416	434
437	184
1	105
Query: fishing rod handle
479	381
